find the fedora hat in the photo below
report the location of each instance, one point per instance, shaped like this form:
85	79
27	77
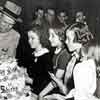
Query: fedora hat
12	10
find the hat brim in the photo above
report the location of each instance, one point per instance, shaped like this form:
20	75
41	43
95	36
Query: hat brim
16	19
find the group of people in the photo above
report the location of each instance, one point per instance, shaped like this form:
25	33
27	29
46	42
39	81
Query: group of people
64	56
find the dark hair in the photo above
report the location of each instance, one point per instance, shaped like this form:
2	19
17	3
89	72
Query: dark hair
42	34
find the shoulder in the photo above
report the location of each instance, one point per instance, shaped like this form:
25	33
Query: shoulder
64	55
85	66
15	33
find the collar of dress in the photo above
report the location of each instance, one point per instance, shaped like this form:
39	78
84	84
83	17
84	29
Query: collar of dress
41	52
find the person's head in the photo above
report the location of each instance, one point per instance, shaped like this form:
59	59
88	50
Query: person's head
62	16
50	14
80	17
10	14
6	23
56	36
72	39
38	37
40	13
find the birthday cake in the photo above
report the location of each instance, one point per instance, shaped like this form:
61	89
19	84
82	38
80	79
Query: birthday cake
13	81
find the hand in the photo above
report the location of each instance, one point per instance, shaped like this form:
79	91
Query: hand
40	97
29	80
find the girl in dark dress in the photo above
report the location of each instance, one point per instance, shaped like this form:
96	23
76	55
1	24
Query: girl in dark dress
42	62
60	59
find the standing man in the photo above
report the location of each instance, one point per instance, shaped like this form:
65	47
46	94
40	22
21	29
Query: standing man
9	38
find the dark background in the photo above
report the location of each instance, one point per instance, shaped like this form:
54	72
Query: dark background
91	9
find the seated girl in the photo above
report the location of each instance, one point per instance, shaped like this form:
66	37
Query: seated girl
84	71
42	62
60	60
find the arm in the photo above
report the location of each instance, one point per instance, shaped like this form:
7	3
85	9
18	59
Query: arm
69	69
54	83
58	81
47	89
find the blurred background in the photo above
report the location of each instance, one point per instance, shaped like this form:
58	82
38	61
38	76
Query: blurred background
91	9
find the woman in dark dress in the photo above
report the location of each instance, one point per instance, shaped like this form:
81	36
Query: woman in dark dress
42	62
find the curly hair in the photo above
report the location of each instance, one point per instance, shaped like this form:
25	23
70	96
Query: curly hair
42	34
82	34
59	30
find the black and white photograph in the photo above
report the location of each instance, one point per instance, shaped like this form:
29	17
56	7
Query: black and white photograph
49	50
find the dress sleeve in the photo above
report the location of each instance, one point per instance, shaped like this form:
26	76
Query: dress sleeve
63	60
48	63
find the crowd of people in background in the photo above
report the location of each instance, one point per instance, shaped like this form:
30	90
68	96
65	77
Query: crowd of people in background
74	69
64	58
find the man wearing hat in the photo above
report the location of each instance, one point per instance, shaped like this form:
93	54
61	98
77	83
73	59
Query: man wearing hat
9	38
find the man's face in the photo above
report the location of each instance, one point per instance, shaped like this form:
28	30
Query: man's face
79	17
62	16
40	13
6	23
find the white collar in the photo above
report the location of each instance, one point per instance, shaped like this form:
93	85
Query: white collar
41	52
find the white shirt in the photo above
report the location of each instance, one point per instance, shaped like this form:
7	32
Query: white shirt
85	80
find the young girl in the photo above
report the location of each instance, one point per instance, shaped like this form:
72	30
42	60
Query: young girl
60	59
42	62
84	71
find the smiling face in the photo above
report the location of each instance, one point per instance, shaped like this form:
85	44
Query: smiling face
34	40
54	38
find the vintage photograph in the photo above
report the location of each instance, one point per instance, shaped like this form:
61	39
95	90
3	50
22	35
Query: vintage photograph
49	50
